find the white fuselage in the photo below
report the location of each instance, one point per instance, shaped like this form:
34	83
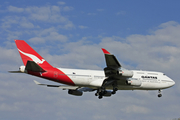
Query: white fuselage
94	78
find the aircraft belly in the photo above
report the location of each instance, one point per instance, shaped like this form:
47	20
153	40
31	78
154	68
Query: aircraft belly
154	86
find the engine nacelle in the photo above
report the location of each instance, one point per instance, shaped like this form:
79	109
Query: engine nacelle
107	94
134	82
126	73
75	92
22	69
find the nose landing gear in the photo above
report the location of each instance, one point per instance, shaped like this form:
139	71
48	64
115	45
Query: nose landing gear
159	95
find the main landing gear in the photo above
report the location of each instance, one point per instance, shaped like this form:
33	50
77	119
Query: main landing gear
100	92
159	95
114	87
103	92
114	90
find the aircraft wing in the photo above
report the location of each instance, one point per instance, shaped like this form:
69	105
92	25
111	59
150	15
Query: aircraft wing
112	63
71	88
111	60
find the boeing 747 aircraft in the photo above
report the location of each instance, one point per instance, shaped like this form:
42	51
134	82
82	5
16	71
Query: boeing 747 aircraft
114	77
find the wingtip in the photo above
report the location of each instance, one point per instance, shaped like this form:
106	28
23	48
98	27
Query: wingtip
105	51
36	82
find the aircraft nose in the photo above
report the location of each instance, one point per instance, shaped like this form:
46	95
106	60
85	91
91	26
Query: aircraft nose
172	83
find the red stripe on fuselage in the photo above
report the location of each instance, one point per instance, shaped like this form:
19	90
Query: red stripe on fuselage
53	74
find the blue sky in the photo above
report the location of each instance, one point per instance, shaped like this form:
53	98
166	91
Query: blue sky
142	34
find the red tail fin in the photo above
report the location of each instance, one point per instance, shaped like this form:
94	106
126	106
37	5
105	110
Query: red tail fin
29	54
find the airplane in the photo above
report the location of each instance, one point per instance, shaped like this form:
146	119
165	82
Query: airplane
105	82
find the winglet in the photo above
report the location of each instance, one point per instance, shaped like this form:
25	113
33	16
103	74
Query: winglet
105	51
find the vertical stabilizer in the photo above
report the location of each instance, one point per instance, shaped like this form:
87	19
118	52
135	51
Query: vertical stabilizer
29	54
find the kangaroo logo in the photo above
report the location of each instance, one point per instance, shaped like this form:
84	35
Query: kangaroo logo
33	57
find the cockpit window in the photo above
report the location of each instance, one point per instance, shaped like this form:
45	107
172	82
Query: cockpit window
164	74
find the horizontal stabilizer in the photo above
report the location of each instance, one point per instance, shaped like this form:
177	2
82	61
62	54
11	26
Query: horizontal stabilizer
64	87
15	72
32	66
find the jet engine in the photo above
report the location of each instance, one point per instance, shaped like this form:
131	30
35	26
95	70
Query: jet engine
22	69
126	73
133	82
75	92
116	71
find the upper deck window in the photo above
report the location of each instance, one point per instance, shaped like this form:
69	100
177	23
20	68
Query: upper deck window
152	73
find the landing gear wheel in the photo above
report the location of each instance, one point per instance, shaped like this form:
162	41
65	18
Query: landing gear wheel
159	95
100	97
96	94
113	92
115	89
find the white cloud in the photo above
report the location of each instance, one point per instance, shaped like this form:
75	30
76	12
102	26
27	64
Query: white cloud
49	35
8	21
47	14
67	8
8	108
68	26
36	19
135	109
61	3
15	9
92	14
36	40
100	10
26	24
82	27
57	37
121	13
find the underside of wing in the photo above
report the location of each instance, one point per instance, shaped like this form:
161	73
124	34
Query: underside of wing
64	87
72	90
